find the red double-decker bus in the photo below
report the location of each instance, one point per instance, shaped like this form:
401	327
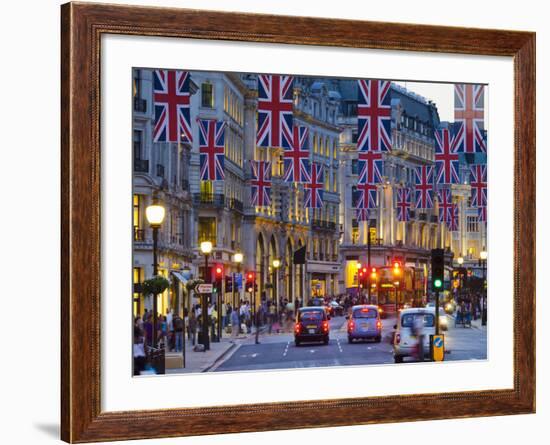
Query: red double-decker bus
398	286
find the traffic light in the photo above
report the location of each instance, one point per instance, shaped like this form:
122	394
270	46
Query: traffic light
229	284
218	275
250	284
373	275
396	267
438	269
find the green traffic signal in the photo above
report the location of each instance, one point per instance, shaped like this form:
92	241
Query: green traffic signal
438	283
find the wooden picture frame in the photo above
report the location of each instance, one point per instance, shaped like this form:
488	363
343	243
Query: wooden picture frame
82	26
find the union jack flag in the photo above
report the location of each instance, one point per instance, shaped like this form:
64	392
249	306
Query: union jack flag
362	214
370	167
482	214
446	158
275	111
445	202
469	114
404	204
424	187
296	157
314	187
171	97
364	196
374	116
260	183
211	149
478	183
453	225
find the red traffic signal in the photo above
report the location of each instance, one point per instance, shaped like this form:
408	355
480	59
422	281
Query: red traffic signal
219	270
396	264
250	276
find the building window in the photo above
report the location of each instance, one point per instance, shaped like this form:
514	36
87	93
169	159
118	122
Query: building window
206	188
137	84
138	141
207	229
137	280
472	224
207	95
137	218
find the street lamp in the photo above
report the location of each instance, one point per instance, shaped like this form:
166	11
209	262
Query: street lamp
238	258
483	261
358	265
155	215
460	261
206	249
276	264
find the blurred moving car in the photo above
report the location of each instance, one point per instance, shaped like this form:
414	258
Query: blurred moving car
364	323
405	341
335	308
311	325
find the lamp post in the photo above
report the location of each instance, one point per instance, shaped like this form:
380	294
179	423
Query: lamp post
460	262
238	258
276	264
358	265
483	261
155	216
206	249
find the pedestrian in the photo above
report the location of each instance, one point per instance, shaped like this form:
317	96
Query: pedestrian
418	330
192	328
140	358
258	322
213	313
171	340
272	317
177	326
235	323
148	328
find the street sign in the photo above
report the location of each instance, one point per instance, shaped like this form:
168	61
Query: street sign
204	288
238	280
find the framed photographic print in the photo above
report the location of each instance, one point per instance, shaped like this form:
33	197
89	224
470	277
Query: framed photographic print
286	222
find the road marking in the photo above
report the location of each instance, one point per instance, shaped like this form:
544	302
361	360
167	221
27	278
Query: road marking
286	348
312	351
250	355
339	345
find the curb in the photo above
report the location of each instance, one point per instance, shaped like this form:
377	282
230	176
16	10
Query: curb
221	358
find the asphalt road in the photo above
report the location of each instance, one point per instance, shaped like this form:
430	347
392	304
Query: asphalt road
278	351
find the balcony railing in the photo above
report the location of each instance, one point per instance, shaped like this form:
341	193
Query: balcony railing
422	217
139	234
141	165
434	219
140	104
209	199
235	204
320	224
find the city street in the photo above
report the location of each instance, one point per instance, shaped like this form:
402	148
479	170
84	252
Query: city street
278	351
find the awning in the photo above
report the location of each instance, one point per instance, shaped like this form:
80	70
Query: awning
180	277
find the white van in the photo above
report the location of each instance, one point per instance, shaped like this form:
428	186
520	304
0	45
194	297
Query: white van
405	340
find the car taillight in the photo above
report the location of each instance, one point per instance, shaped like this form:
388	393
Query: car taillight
351	325
324	326
397	339
297	328
379	324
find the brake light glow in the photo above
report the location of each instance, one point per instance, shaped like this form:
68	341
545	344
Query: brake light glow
365	309
297	328
379	324
324	326
351	325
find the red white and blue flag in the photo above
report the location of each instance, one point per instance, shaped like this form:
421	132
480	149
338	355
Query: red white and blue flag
424	187
446	157
478	184
482	214
374	115
364	196
370	167
362	214
469	115
453	225
403	204
314	187
275	104
171	99
260	183
211	149
445	203
296	157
